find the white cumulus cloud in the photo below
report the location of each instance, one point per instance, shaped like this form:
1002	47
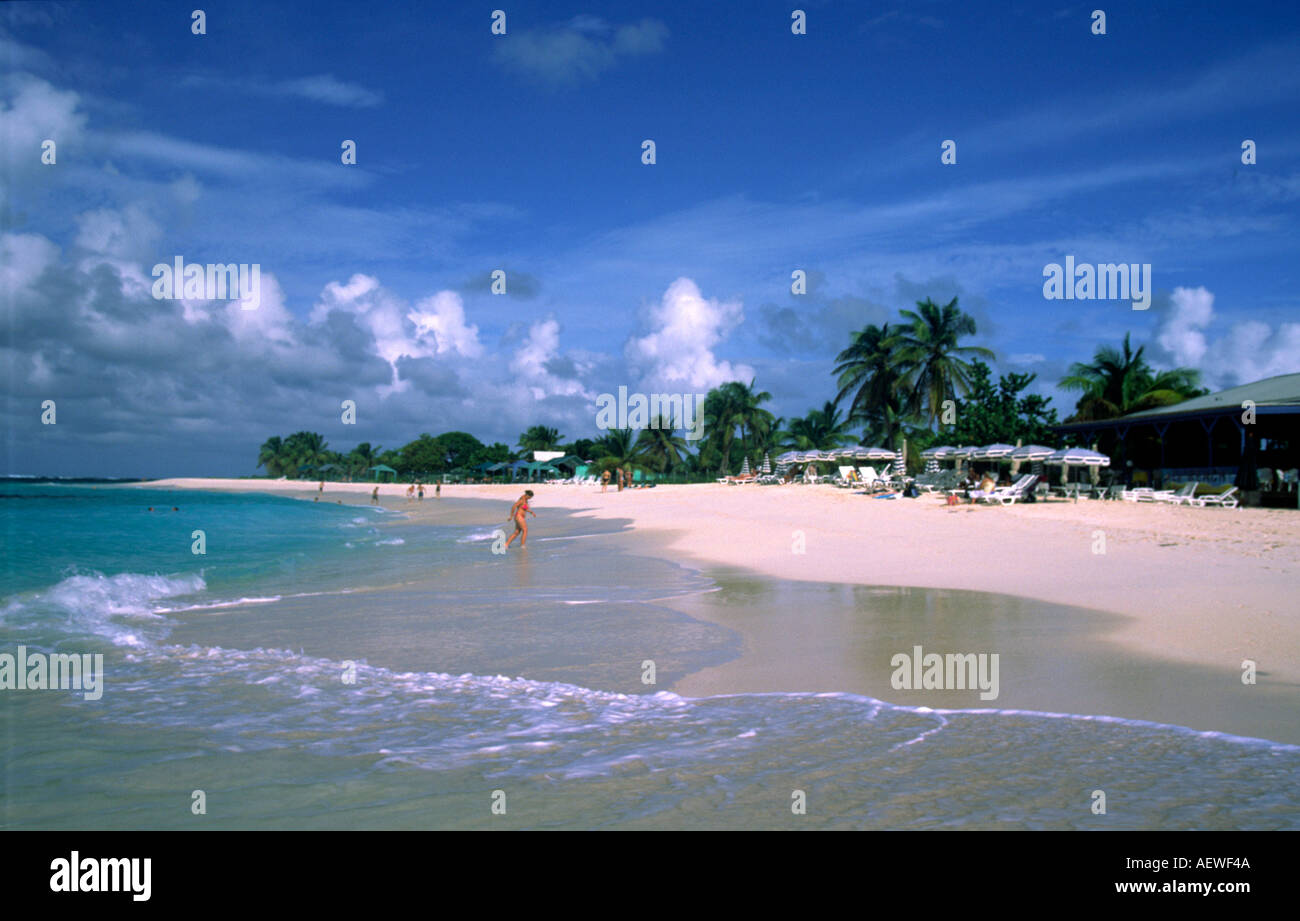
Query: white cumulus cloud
1248	351
685	328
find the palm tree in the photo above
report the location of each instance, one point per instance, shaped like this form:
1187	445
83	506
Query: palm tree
305	449
618	449
722	413
273	456
756	423
660	446
822	430
867	369
933	364
737	406
540	438
1120	381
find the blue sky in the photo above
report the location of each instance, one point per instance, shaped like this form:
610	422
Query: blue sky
522	152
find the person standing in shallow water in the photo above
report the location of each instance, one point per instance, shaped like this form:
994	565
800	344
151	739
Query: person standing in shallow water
518	513
374	496
437	490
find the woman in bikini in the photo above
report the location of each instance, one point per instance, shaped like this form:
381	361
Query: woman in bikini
518	513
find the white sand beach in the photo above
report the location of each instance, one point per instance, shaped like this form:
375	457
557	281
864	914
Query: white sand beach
1202	586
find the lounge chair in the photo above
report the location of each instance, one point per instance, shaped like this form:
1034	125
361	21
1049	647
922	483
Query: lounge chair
1008	495
847	477
1183	496
1225	499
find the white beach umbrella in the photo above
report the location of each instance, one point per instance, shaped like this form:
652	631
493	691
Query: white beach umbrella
744	468
767	463
961	454
789	457
1034	454
1076	457
878	454
993	452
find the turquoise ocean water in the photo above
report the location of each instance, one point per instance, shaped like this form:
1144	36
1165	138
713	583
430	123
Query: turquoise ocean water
483	679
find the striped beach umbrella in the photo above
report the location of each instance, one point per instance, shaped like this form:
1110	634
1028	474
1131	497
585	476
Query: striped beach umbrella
1035	454
933	455
744	468
767	463
1077	457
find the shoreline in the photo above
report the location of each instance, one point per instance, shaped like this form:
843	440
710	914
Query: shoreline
1196	591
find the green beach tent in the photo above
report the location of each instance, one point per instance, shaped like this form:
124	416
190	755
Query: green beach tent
384	468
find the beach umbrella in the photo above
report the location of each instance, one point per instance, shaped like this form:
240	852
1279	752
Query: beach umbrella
789	457
934	455
1032	453
767	463
744	468
875	454
997	451
1076	457
900	465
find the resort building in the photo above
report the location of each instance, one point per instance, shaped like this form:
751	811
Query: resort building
1247	436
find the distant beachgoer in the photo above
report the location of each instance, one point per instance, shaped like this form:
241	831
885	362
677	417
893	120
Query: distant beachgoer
421	492
410	492
374	496
175	509
437	490
604	481
151	508
321	488
315	498
518	513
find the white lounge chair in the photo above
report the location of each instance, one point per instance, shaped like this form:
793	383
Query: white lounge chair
847	477
1183	496
1008	495
1225	499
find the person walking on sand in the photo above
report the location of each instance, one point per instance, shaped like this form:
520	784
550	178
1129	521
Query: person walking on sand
437	490
420	492
410	492
518	513
374	496
604	481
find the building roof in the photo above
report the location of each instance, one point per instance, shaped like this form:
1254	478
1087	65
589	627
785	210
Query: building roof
1279	394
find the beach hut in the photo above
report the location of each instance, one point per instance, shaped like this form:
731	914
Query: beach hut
383	468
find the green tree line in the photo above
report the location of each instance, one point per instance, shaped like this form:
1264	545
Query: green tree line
913	379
